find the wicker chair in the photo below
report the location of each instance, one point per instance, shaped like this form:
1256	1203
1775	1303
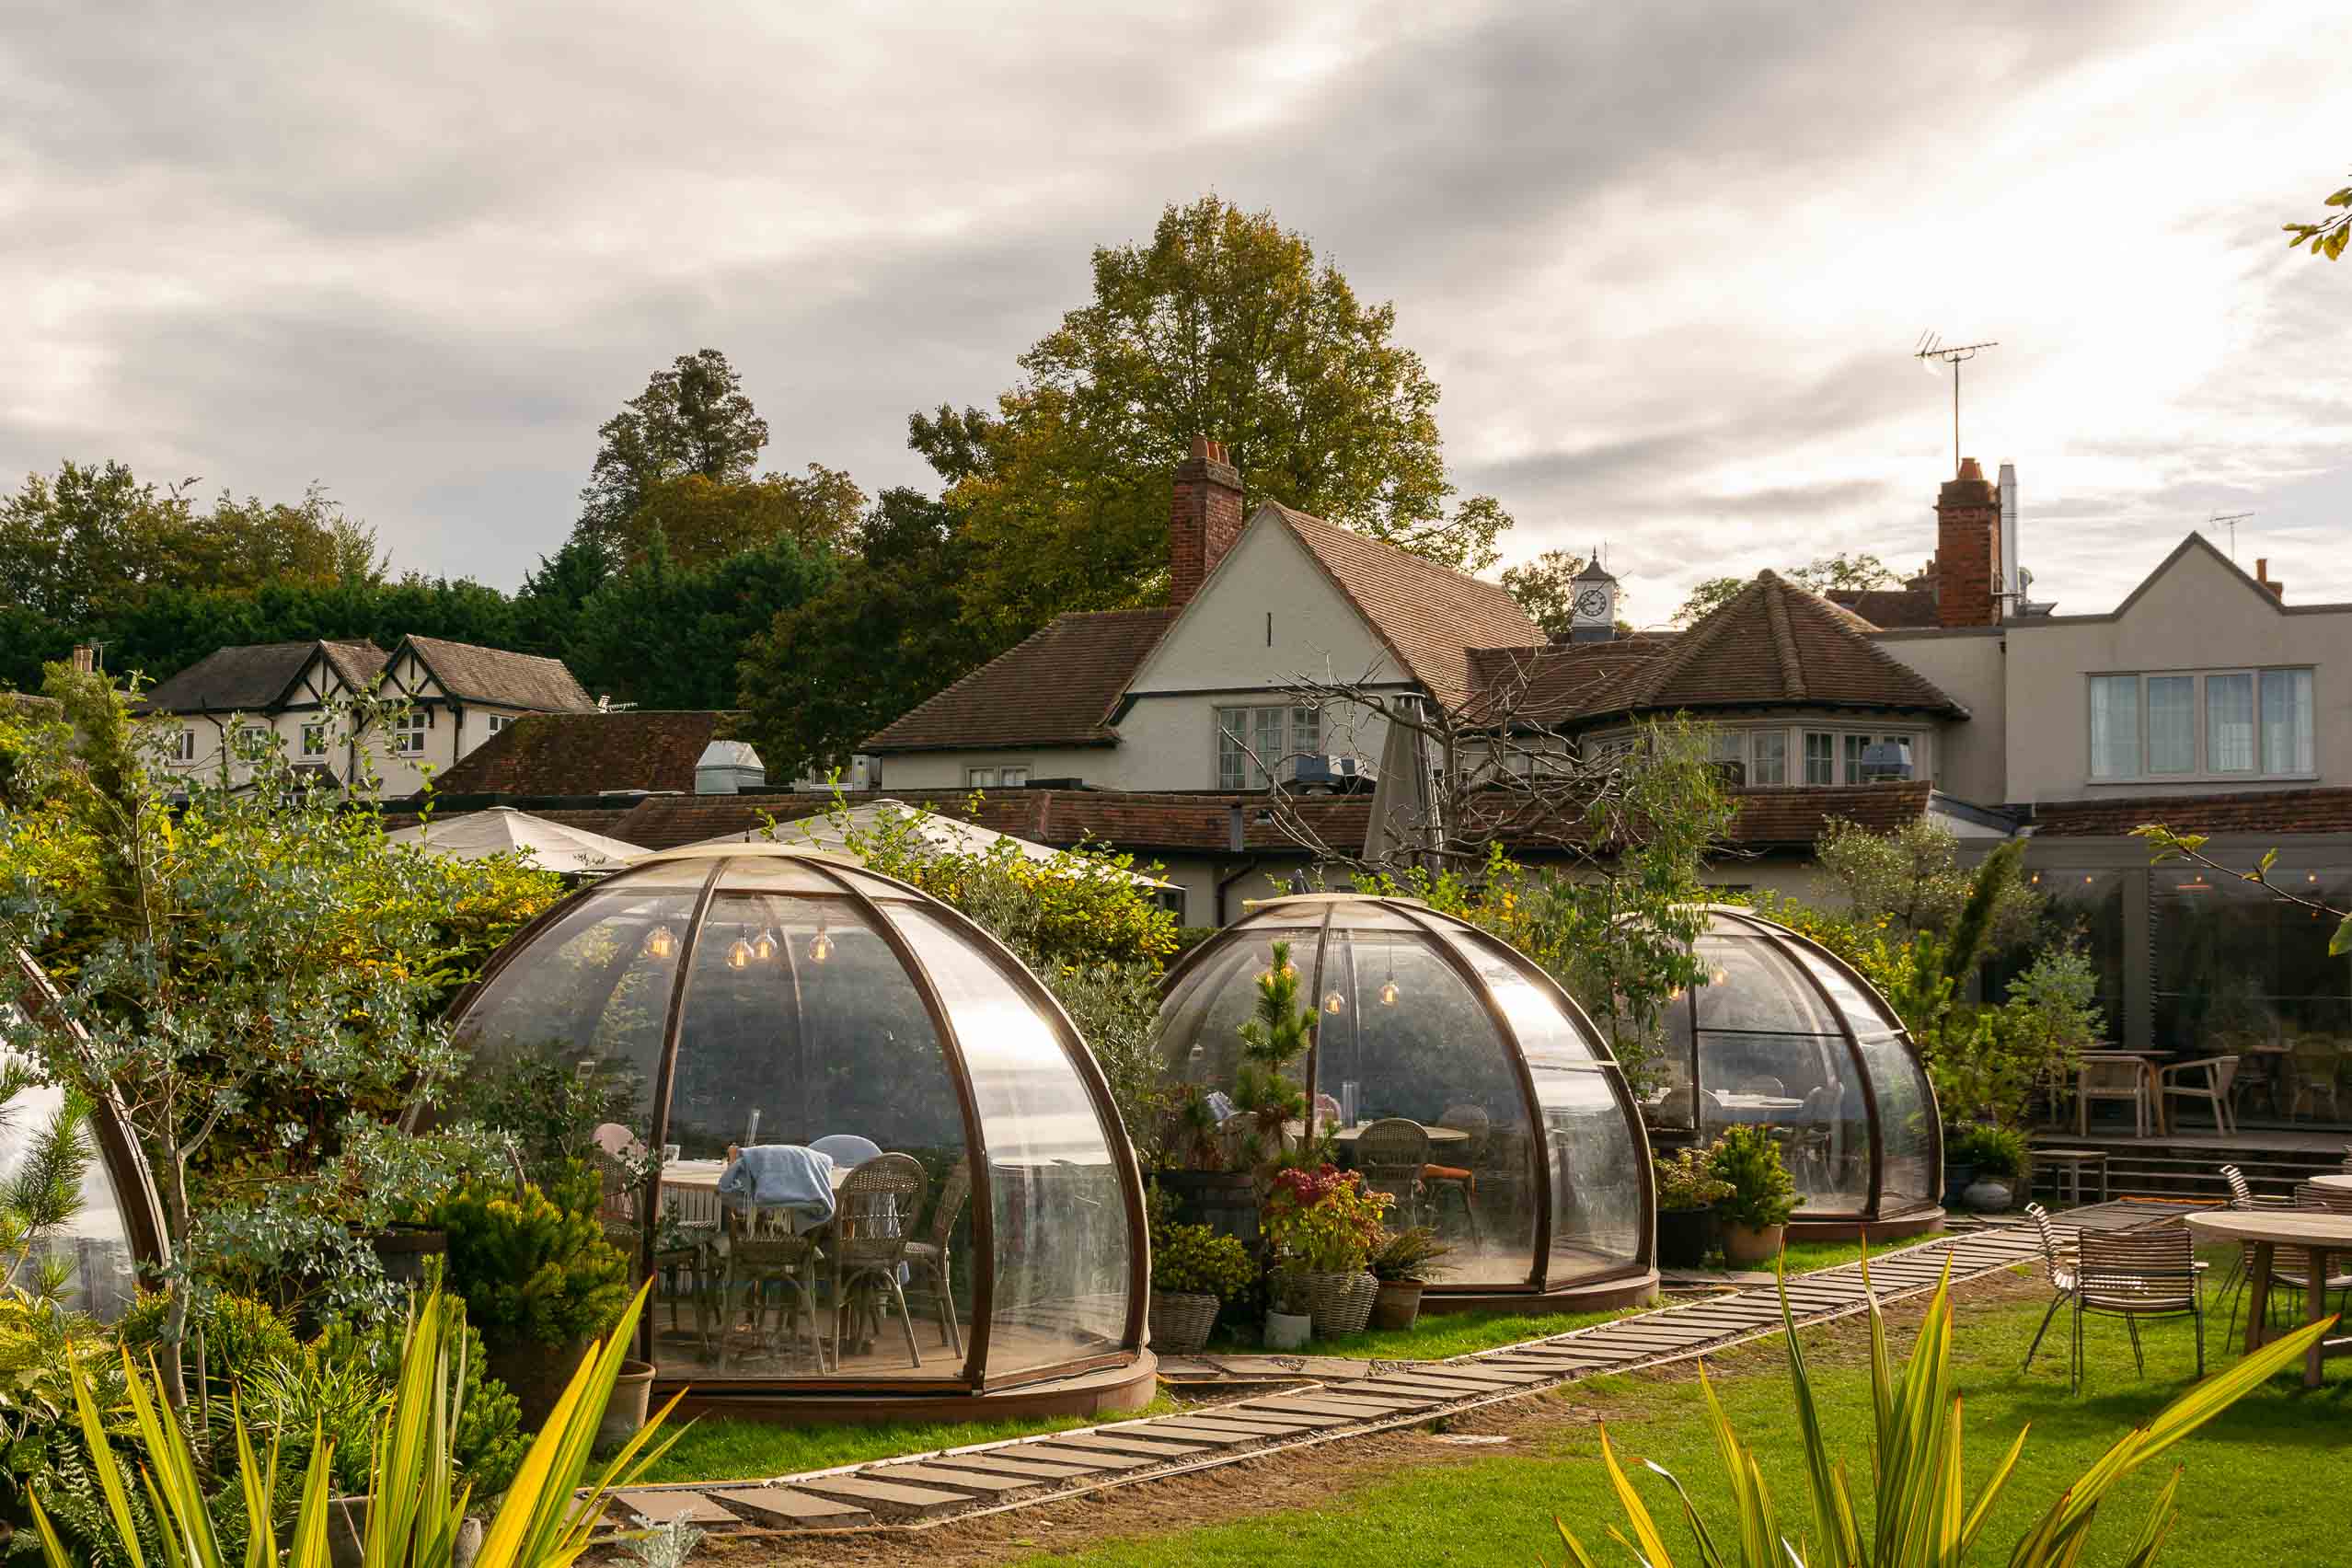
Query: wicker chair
1389	1156
2143	1275
868	1243
2181	1081
760	1250
2061	1263
690	1256
930	1258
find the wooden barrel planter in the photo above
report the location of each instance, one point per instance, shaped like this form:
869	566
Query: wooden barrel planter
1225	1201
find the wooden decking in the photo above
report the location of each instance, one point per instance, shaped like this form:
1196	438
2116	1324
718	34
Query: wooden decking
2188	1163
918	1491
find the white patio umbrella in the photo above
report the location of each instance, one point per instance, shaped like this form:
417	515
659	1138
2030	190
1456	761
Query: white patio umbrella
833	830
498	830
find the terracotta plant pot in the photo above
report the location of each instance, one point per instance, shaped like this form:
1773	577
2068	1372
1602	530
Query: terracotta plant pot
1288	1331
536	1375
1397	1304
1686	1237
625	1411
1748	1244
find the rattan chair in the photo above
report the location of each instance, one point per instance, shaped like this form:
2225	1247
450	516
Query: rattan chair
2150	1274
930	1258
689	1254
759	1249
1389	1156
2217	1072
2061	1262
875	1204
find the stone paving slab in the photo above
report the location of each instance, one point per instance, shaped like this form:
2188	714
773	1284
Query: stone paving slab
781	1508
667	1507
1110	1458
1015	1459
886	1500
996	1488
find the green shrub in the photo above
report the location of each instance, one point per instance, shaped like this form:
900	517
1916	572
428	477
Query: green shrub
1410	1254
487	1444
1194	1259
533	1265
1993	1151
1762	1192
1689	1181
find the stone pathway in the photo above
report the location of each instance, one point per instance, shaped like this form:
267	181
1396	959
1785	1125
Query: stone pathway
1340	1399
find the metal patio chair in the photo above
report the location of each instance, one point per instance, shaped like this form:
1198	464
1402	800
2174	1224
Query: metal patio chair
2061	1263
2207	1079
2150	1274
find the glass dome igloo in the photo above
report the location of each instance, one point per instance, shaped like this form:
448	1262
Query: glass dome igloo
1786	1036
118	1229
1460	1079
718	1014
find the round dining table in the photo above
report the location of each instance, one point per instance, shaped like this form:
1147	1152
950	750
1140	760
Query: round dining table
2316	1236
1755	1109
2335	1184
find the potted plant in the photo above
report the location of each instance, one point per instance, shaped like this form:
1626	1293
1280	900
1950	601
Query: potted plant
1403	1264
1688	1194
538	1278
1203	1183
1958	1169
1290	1322
2000	1160
1325	1224
1195	1272
1762	1194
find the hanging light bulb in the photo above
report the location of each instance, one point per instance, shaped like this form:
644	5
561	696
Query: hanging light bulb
1335	1003
1717	976
820	945
1389	992
660	941
764	946
738	954
1389	995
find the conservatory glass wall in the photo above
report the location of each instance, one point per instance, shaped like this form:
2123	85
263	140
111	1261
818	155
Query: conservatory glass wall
1783	1036
1528	1158
852	1140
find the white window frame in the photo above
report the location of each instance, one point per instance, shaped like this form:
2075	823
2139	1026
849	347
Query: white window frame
499	722
314	738
183	744
250	742
1276	732
409	731
1000	776
2202	769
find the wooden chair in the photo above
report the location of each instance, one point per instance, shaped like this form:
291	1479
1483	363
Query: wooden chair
2060	1263
930	1258
2216	1072
2313	1066
2150	1274
1389	1156
690	1256
2110	1075
874	1205
1461	1180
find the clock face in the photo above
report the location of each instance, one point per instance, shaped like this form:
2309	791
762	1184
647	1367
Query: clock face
1592	603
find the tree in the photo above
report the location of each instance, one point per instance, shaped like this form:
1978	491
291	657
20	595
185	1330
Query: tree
889	614
1840	572
706	519
660	635
1227	325
2327	236
1911	879
693	418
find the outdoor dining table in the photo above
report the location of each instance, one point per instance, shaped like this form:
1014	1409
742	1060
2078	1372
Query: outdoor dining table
698	1180
1754	1108
2333	1184
2317	1236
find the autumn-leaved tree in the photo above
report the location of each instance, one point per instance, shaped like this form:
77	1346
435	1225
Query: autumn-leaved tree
1842	571
2326	237
693	418
704	521
1223	324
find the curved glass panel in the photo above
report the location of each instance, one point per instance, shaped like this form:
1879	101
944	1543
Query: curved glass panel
88	1252
1055	1203
1906	1115
1430	1038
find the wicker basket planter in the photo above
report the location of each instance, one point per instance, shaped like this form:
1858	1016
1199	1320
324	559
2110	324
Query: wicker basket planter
1342	1302
1180	1321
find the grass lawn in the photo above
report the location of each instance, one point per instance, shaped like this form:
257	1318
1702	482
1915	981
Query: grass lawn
728	1448
2269	1483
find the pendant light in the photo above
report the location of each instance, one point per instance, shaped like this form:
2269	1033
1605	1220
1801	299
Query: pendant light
738	954
1389	992
820	945
764	946
660	943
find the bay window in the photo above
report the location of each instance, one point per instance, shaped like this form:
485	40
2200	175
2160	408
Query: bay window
1770	762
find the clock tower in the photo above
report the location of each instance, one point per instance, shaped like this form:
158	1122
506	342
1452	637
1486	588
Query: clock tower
1593	616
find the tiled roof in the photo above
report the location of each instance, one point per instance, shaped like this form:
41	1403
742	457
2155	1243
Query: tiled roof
1197	824
1431	617
584	753
2254	812
1560	682
1056	689
1889	609
1772	644
474	673
253	678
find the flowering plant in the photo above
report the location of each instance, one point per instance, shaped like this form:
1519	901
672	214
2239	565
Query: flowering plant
1323	1220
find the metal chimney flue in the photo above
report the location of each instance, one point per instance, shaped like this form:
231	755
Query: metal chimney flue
2010	594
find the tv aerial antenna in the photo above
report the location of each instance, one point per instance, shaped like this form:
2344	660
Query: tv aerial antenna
2232	519
1930	350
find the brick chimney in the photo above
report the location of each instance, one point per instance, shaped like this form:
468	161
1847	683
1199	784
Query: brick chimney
85	659
2262	575
1204	518
1968	550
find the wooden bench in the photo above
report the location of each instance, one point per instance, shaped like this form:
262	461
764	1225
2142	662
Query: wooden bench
2066	1166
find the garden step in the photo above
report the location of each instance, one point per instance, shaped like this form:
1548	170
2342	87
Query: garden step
669	1507
888	1500
1231	1433
1065	1450
1001	1461
782	1509
972	1483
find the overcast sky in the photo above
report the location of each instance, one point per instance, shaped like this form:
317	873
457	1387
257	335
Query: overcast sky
1666	261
